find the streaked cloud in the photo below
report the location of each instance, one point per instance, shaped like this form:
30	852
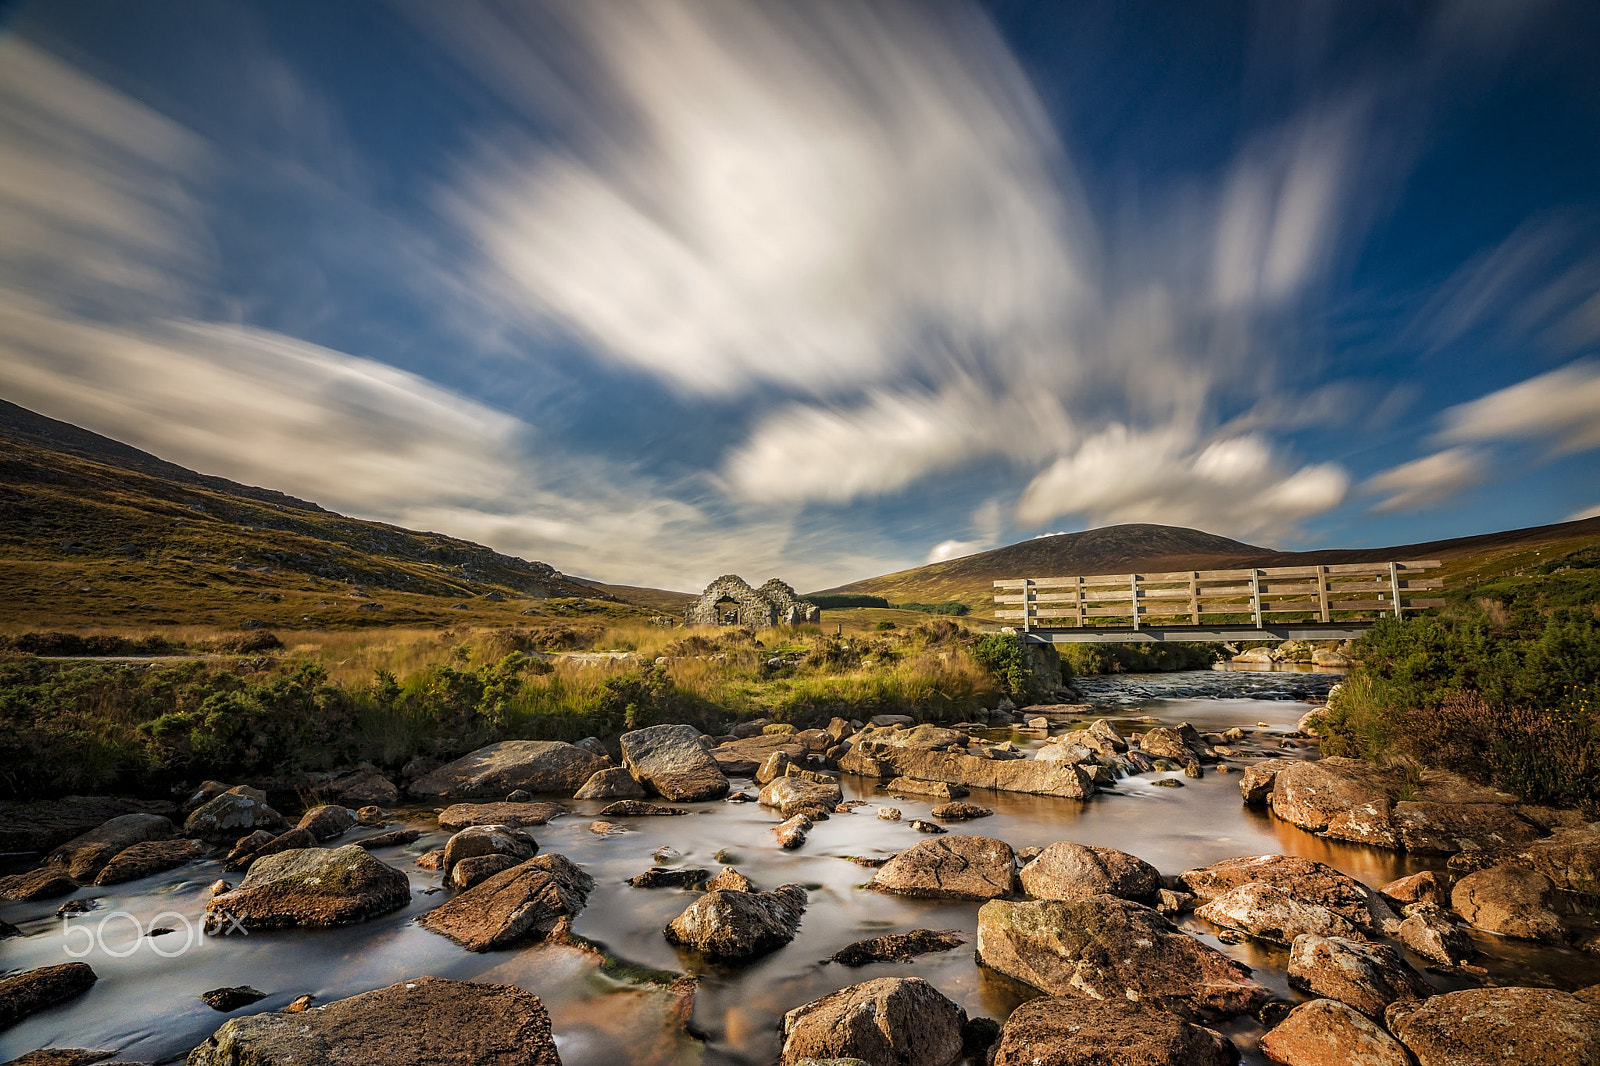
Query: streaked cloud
1426	481
1561	407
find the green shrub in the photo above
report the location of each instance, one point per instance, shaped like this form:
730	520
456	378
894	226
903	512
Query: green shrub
1003	656
837	600
950	607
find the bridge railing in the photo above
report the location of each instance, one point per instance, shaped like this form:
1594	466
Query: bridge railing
1344	590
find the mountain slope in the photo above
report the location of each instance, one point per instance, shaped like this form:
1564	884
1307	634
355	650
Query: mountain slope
93	531
1154	549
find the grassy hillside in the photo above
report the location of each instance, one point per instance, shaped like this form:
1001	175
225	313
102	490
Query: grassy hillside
95	533
1468	561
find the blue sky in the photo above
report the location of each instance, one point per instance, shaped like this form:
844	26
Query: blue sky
661	290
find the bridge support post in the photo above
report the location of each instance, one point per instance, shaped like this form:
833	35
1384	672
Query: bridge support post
1322	593
1194	596
1136	601
1027	604
1394	587
1255	596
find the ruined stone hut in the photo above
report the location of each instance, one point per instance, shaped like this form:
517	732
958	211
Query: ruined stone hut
729	600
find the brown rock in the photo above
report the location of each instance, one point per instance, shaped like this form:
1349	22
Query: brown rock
776	765
248	845
943	790
1078	1031
1066	870
1428	931
370	816
459	816
1303	879
1570	859
898	947
791	795
423	1020
327	822
293	840
951	867
524	901
735	926
535	765
640	809
1368	977
877	758
960	812
364	787
34	826
746	756
1113	949
310	887
393	839
670	761
476	869
1267	912
47	882
1511	901
32	991
82	857
1325	1032
670	877
1345	799
1496	1026
150	857
1430	886
431	860
1446	828
612	783
228	814
489	840
231	999
792	832
893	1021
1255	786
730	880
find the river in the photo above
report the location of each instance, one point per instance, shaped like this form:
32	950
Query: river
146	1004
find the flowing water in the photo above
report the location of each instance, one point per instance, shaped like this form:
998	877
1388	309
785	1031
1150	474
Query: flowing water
146	1004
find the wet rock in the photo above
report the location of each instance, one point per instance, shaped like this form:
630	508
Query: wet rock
249	844
1446	828
1430	886
1066	870
878	758
927	827
1078	1031
44	883
76	906
52	1056
371	816
1164	743
299	1004
364	787
893	1021
238	810
640	808
82	857
1511	901
535	765
670	761
735	926
1325	1032
489	840
1428	931
792	795
1484	1026
1368	977
960	812
1255	786
431	860
792	832
1169	901
1266	912
1341	798
746	757
670	877
898	947
889	814
523	902
394	839
520	795
1303	879
35	990
612	783
1113	949
459	816
942	790
1109	734
150	857
327	822
476	869
1570	859
606	829
292	840
36	826
426	1019
730	880
310	887
776	765
952	867
1167	782
231	999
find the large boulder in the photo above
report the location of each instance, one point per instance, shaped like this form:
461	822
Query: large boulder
47	882
1497	1026
744	757
1303	879
951	867
424	1020
1428	931
1511	901
327	822
732	926
883	759
1368	977
310	887
231	814
1325	1032
522	902
1345	799
532	765
893	1021
1570	859
1428	828
1113	949
1079	1031
1267	912
150	857
1066	870
82	857
478	840
459	816
363	787
1429	886
670	761
32	991
612	783
1166	743
794	795
1256	783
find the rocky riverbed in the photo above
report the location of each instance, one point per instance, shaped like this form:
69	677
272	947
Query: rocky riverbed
679	928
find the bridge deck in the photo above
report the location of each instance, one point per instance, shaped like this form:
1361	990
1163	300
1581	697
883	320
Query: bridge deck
1326	602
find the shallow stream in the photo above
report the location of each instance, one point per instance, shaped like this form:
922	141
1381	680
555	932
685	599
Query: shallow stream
146	1004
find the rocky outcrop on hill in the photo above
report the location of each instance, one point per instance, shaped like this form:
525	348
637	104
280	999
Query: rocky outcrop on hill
425	1019
670	761
1113	949
310	887
498	769
893	1021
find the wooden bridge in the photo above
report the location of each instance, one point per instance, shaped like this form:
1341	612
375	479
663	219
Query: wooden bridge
1275	603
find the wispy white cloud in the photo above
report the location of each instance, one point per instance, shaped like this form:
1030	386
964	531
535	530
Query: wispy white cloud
1426	481
1587	512
1561	407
